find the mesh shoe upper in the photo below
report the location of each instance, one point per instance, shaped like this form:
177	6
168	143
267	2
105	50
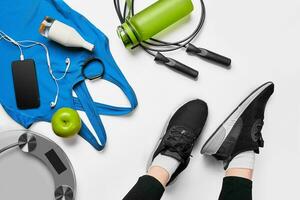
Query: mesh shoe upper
246	133
183	130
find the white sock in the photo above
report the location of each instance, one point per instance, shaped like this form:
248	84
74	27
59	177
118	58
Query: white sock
166	162
245	160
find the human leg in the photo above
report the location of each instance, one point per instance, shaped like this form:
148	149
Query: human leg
172	154
237	140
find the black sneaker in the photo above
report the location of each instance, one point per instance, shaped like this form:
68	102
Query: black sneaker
181	133
241	131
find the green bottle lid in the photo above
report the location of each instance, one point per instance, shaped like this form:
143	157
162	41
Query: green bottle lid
152	20
128	36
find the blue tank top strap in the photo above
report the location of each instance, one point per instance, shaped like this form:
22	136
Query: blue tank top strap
90	109
30	13
119	80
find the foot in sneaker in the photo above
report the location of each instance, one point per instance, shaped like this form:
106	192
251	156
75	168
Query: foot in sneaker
174	148
241	131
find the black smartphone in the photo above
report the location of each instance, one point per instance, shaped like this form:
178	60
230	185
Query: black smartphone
25	84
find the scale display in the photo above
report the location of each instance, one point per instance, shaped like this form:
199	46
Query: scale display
55	161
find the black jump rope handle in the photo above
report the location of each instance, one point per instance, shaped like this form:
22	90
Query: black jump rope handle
204	53
175	65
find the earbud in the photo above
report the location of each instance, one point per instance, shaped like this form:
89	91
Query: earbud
68	61
68	64
52	104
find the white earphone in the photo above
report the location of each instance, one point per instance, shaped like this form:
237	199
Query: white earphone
30	44
54	103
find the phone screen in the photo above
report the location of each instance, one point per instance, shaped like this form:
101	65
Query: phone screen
25	84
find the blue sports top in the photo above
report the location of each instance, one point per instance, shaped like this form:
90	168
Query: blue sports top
21	20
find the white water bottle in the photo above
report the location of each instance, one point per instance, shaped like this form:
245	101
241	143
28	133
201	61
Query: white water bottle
63	34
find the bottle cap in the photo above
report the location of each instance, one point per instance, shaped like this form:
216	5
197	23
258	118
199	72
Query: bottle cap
45	26
128	36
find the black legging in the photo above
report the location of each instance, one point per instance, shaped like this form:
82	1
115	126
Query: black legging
148	188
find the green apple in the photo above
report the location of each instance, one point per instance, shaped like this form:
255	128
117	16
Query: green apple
66	122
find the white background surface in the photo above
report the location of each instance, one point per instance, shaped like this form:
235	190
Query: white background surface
262	38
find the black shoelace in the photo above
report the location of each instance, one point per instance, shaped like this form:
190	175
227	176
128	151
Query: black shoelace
180	140
258	135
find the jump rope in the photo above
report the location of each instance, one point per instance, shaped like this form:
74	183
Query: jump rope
156	47
153	47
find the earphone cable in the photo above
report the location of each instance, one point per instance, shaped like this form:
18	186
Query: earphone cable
30	44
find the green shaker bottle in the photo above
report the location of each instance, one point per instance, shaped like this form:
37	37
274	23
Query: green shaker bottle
153	20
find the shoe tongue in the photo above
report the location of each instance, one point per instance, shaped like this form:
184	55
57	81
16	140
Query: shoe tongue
179	142
256	132
184	130
173	154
